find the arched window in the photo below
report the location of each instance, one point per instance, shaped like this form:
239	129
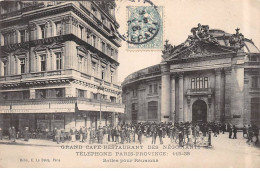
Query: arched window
134	112
152	110
255	108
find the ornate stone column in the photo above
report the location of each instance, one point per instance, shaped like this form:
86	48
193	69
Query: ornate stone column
181	117
173	96
165	93
217	113
228	93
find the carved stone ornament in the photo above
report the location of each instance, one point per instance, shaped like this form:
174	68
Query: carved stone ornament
237	40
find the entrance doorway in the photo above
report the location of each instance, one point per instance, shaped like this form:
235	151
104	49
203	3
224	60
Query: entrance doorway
199	111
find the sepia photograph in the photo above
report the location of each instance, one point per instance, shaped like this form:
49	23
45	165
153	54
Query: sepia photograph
130	84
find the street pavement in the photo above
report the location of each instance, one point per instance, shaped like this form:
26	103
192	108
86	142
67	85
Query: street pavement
224	152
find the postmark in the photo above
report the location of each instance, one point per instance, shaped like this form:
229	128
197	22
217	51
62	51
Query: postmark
144	25
145	29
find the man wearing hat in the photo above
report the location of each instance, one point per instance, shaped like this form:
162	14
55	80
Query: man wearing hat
139	133
230	131
92	135
160	134
154	135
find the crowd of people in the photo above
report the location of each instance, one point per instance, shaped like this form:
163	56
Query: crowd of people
188	133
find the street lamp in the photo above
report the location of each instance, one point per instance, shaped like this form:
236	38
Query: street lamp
100	87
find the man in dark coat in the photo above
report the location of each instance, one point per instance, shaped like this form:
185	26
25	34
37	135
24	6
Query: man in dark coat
139	133
154	135
230	131
92	136
235	132
160	134
250	134
109	133
181	136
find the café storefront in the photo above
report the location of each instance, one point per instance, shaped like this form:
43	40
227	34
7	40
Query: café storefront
65	115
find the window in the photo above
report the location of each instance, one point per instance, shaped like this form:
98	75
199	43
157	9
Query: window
22	65
43	62
155	88
94	40
134	112
152	110
95	96
58	60
205	82
112	99
41	94
253	58
103	47
22	36
103	73
80	60
58	28
199	83
42	29
80	93
150	89
104	21
93	65
255	82
59	92
255	108
193	83
5	68
112	75
6	39
26	94
134	92
81	32
112	52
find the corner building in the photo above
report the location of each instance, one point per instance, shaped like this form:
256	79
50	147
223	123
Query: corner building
53	58
213	76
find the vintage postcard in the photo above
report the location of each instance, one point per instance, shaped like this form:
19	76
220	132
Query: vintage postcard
130	84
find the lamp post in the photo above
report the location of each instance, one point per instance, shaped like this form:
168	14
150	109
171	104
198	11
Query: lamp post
100	87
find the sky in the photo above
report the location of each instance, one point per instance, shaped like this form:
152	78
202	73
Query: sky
180	16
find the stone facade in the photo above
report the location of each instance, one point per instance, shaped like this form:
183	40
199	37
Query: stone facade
56	58
209	77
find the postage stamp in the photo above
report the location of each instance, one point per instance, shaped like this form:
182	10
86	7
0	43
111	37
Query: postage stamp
145	28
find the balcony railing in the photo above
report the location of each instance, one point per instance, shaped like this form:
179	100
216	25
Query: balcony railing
202	91
66	73
62	100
